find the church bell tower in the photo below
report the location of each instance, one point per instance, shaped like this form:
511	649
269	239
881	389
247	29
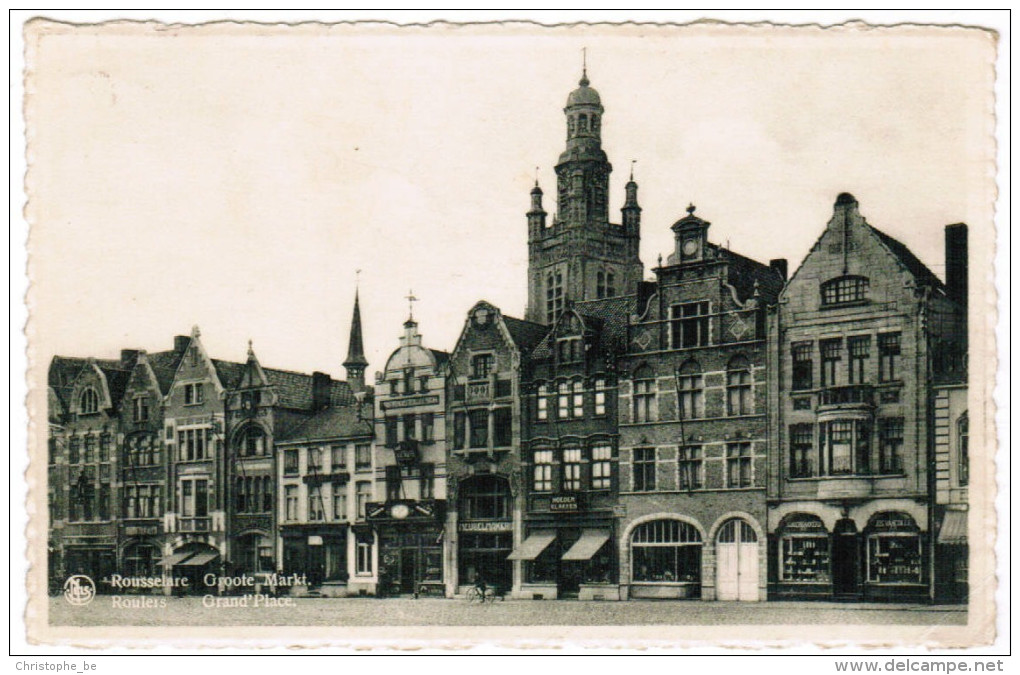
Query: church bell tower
581	255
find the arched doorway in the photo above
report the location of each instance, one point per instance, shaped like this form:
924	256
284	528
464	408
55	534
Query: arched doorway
736	551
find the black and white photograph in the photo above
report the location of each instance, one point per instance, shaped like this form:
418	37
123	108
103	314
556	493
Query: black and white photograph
578	334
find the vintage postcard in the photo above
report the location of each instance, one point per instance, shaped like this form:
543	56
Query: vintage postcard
610	335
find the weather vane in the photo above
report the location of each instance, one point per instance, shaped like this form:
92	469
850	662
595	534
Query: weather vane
410	304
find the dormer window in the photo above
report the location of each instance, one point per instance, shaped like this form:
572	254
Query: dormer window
844	290
88	404
570	349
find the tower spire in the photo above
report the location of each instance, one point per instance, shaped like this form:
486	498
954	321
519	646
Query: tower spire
584	67
355	363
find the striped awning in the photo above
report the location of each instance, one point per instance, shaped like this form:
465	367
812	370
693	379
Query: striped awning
533	546
954	528
199	559
176	558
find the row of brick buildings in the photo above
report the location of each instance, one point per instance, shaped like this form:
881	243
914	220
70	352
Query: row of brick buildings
719	431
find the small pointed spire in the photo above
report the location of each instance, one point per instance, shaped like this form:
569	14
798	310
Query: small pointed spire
356	361
411	299
584	67
632	163
251	350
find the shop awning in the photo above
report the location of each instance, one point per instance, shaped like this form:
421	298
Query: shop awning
531	547
588	545
176	558
954	528
198	559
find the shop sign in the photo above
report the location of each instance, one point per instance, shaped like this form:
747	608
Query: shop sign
804	524
564	503
410	402
893	522
141	530
314	540
486	526
406	452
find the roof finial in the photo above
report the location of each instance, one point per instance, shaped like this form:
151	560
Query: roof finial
536	176
251	351
632	163
584	67
690	208
410	304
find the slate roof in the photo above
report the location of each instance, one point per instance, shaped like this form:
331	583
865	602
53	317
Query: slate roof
907	258
164	365
293	388
525	334
65	369
614	315
333	423
441	357
116	380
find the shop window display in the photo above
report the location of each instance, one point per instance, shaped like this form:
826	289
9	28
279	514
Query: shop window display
666	551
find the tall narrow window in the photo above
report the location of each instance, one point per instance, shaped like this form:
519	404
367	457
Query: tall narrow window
802	450
691	386
738	465
578	398
963	438
689	325
610	285
840	437
691	467
644	469
479	420
860	351
543	461
339	501
88	404
553	296
601	467
315	503
738	387
502	427
600	396
830	360
409	431
888	357
572	460
428	427
459	430
363	456
890	444
542	402
391	431
600	284
644	395
290	462
803	366
362	493
290	496
141	408
563	400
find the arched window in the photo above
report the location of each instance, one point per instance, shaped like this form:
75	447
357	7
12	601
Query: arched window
253	442
691	385
844	289
600	284
88	403
666	551
644	395
738	387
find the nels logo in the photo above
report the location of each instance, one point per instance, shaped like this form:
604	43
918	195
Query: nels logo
79	590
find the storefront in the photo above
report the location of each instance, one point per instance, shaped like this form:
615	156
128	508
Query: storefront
193	561
95	561
319	552
895	557
665	560
951	558
568	561
410	546
804	561
485	532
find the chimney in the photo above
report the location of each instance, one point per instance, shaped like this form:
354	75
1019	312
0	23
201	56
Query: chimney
778	265
322	385
128	357
956	262
181	342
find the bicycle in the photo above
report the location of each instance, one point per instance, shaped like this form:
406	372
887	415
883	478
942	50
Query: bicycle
480	594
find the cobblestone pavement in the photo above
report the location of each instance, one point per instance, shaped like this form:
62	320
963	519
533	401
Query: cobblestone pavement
124	611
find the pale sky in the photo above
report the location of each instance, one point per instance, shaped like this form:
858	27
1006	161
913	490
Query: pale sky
237	181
